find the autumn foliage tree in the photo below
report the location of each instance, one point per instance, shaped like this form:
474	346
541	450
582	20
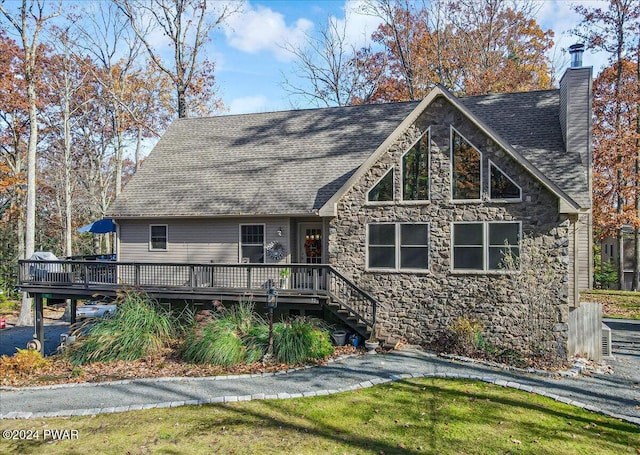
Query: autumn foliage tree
470	47
616	124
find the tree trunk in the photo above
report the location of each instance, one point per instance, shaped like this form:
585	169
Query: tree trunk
68	248
620	260
182	102
25	317
636	254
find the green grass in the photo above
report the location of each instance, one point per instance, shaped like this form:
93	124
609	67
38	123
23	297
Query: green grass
415	416
615	304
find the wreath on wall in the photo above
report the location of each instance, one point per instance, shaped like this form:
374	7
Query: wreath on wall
276	251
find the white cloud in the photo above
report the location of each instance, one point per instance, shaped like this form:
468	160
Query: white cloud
359	27
248	104
262	29
560	16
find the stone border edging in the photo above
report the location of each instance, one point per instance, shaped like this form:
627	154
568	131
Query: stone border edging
572	372
284	396
223	377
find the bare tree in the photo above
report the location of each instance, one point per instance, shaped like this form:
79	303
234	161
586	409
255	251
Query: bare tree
187	25
28	23
327	70
108	37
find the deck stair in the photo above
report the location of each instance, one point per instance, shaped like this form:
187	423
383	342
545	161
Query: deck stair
350	304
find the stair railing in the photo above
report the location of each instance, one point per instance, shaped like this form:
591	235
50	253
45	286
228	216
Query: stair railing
352	298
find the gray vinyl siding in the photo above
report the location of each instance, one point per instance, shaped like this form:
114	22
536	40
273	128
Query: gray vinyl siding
585	250
206	240
580	257
575	112
571	267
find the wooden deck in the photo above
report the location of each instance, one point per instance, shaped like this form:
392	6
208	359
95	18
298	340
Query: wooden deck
313	284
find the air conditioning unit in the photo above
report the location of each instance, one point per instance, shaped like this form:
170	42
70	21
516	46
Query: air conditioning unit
606	342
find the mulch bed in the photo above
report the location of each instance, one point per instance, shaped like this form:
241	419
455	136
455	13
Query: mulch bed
166	364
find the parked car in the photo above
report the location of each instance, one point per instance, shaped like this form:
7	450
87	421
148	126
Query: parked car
95	309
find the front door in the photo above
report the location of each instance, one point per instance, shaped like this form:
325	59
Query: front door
310	243
310	252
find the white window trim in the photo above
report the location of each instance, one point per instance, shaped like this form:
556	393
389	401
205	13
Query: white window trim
485	248
398	246
166	227
452	129
491	198
416	201
393	188
264	240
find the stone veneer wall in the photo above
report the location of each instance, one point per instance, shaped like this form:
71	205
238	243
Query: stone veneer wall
418	307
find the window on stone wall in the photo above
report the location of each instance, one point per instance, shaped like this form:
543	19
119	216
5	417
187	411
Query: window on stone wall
501	186
158	237
383	190
398	246
466	179
252	243
415	171
484	245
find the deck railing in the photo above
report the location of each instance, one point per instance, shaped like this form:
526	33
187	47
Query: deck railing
316	279
304	277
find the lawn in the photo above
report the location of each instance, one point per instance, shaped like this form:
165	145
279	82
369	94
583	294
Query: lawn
615	304
413	416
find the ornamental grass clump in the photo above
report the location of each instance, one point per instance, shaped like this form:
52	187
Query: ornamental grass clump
232	336
301	340
140	327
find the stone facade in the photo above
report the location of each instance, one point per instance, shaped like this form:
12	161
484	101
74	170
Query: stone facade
419	306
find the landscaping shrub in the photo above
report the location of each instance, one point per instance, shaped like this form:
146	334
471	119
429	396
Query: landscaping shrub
233	335
25	361
464	337
139	328
236	335
300	340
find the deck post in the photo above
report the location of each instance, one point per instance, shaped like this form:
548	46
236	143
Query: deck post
74	305
248	277
39	321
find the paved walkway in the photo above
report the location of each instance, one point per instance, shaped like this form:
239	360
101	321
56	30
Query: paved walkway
616	394
613	396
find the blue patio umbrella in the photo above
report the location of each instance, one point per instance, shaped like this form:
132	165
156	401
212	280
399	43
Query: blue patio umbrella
102	226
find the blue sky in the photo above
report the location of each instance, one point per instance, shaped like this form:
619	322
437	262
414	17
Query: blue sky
250	59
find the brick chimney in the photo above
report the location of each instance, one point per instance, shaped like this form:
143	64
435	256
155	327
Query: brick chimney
575	108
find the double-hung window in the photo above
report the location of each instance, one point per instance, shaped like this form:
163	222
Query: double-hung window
158	237
252	243
486	245
398	246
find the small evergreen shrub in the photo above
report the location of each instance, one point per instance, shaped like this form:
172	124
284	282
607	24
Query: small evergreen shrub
139	328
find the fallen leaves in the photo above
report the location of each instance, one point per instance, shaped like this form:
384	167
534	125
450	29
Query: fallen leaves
166	364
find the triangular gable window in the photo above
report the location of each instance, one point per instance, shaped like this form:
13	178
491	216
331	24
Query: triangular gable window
415	171
501	186
383	191
467	168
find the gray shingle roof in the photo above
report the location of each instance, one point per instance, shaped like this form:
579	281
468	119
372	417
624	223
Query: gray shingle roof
530	123
286	163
